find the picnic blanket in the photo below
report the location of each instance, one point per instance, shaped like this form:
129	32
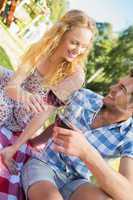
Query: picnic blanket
10	185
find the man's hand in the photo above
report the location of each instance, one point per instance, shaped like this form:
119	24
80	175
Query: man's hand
7	156
70	142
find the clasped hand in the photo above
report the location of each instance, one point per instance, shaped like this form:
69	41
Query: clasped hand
34	103
7	157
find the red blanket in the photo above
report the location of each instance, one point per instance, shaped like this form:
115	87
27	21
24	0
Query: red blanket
10	185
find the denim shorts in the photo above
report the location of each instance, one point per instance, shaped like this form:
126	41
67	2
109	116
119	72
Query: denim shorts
36	170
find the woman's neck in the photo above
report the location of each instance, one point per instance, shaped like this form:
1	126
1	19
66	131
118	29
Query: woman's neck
48	65
55	59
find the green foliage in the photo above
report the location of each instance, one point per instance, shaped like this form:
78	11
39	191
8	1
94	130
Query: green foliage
121	57
4	60
110	59
34	8
57	8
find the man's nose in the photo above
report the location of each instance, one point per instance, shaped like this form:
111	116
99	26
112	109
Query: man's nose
113	89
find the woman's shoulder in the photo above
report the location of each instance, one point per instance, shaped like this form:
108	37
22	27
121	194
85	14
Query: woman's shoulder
79	73
69	85
76	79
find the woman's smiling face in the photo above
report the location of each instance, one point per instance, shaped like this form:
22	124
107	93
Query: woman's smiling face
74	43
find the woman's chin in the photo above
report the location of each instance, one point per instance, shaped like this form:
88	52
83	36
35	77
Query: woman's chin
69	59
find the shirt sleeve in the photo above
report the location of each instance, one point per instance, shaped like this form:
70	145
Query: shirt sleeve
126	147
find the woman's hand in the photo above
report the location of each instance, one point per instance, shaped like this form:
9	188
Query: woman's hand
70	142
7	156
34	103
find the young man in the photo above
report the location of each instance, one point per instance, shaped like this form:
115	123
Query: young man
101	128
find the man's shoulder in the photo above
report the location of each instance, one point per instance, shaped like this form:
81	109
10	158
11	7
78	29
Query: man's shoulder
85	99
85	94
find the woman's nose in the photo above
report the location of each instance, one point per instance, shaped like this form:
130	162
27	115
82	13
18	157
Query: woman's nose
78	50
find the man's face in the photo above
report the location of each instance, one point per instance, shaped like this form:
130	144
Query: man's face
119	95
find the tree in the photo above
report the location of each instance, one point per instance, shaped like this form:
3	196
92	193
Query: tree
111	58
99	59
7	10
57	8
121	57
10	15
2	5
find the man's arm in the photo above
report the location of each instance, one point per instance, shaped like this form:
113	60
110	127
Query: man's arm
126	168
117	185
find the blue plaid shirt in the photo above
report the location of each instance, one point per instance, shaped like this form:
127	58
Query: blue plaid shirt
111	140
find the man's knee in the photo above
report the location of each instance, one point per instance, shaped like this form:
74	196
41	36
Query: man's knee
44	190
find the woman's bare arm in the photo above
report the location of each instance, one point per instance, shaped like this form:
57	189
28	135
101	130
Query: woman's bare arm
43	137
33	126
13	88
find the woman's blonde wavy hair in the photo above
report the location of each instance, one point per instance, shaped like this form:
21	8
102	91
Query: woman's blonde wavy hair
46	46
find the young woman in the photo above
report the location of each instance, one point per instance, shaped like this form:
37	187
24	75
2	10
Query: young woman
50	71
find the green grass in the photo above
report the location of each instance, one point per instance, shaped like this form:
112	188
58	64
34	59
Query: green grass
4	59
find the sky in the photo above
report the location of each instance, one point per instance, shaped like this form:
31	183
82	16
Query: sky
118	12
